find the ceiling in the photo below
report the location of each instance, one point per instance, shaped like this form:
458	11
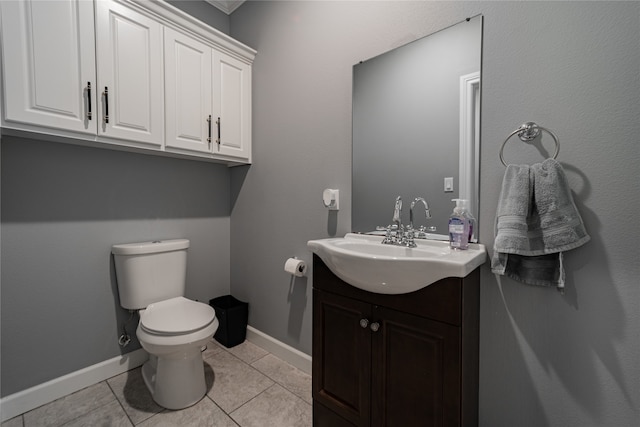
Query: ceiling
227	6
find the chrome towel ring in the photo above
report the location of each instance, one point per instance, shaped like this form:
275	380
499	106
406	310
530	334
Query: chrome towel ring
527	132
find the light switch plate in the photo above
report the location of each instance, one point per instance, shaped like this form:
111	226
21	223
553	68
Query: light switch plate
448	184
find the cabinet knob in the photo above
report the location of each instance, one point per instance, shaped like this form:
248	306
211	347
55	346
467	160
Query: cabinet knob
364	323
375	326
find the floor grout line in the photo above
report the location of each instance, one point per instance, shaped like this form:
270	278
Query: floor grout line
228	414
119	403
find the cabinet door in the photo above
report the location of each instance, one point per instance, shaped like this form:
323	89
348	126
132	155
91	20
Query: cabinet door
342	356
188	112
49	63
130	84
416	371
232	103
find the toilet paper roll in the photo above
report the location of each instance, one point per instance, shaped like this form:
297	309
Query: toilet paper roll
294	266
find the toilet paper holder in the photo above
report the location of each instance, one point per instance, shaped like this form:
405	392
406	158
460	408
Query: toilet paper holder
295	267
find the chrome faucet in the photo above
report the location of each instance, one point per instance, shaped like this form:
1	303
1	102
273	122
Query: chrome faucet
397	212
410	229
427	212
395	232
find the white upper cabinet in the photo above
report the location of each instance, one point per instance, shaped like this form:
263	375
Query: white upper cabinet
129	58
208	99
125	73
187	73
232	102
49	64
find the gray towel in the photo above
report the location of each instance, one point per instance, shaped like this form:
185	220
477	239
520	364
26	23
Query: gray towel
536	222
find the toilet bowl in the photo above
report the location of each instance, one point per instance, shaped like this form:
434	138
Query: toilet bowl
172	329
173	332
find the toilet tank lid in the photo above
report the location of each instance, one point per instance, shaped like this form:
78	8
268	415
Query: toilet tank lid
150	247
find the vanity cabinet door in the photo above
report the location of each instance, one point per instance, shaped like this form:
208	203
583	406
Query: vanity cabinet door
188	80
130	77
232	106
416	371
341	359
49	64
422	359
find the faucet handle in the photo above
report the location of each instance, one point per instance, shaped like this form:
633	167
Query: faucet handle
408	238
388	237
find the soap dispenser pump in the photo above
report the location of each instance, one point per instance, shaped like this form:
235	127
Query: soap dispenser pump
459	226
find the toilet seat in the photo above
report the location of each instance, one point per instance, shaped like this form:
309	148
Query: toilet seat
176	316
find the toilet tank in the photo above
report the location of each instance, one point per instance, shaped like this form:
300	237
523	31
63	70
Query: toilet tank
148	272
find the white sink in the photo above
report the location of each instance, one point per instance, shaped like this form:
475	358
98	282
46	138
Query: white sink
364	262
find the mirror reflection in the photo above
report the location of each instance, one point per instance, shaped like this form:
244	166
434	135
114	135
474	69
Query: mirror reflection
416	113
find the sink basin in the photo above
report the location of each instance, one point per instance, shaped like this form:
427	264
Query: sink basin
364	262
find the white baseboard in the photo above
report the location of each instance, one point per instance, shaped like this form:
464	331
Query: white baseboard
31	398
279	349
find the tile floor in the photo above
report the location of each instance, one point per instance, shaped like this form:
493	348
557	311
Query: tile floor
246	386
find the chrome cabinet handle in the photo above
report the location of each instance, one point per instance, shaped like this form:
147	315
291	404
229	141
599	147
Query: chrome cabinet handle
106	104
219	130
375	326
364	323
209	124
89	100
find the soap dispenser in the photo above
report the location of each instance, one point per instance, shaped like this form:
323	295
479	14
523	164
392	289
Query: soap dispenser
459	225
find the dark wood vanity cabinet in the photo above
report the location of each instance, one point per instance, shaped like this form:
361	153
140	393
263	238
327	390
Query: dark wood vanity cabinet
395	360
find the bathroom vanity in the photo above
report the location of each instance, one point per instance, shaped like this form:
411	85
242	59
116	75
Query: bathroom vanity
395	360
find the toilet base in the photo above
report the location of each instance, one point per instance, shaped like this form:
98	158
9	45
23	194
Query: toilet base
176	380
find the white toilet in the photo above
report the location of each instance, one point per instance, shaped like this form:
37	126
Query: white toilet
172	329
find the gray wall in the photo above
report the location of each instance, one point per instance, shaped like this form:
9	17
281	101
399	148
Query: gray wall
546	359
63	206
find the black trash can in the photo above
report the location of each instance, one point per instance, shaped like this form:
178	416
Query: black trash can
233	315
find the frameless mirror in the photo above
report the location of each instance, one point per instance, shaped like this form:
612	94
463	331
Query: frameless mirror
416	118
